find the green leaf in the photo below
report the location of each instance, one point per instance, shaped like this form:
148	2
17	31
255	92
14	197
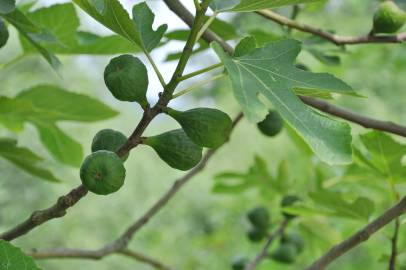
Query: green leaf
7	6
34	35
361	208
270	72
12	258
111	14
43	106
25	159
384	155
59	144
55	104
252	5
245	46
143	19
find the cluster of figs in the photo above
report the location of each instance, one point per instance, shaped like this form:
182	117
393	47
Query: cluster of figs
291	243
126	77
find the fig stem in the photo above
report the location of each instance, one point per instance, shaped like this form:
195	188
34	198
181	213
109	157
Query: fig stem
206	25
200	71
198	85
155	67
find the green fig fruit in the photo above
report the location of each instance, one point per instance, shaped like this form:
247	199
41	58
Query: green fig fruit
102	172
389	18
109	139
176	149
239	263
295	239
259	218
271	125
127	79
205	127
3	34
285	253
255	234
289	200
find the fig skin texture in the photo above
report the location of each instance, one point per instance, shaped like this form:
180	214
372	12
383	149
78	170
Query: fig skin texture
389	18
285	253
127	79
259	218
102	172
110	140
271	125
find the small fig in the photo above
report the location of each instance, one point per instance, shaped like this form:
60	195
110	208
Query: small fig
239	263
271	125
285	253
109	139
295	239
206	127
259	218
127	79
255	234
102	172
289	200
3	34
389	18
176	149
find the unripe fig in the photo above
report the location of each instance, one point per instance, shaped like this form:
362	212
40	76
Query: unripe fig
102	172
295	239
285	253
239	263
109	139
176	149
271	125
289	200
255	234
3	34
259	218
127	79
205	127
389	18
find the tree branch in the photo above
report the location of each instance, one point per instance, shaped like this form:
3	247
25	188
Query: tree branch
394	248
367	122
82	254
121	243
264	251
359	237
338	40
59	208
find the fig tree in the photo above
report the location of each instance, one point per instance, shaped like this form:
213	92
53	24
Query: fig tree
206	127
109	139
3	34
102	172
255	234
176	149
389	18
271	125
127	79
259	218
295	239
285	253
287	201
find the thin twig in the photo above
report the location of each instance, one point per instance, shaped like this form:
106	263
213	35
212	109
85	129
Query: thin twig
265	249
82	254
394	248
359	237
336	39
209	36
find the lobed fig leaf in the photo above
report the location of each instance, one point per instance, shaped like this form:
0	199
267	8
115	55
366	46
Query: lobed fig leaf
102	172
259	218
110	140
206	127
127	79
389	18
285	253
176	149
271	125
3	34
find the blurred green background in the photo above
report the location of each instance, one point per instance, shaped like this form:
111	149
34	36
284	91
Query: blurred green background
197	229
